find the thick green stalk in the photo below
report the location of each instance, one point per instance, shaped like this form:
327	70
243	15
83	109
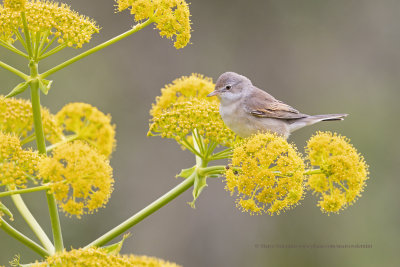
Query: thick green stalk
218	169
24	191
23	239
41	145
14	70
137	28
141	215
33	224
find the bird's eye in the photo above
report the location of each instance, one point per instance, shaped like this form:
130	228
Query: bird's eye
228	87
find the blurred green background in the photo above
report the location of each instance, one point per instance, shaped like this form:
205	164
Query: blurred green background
339	56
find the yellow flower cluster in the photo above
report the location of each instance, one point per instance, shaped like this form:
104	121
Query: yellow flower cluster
92	257
266	172
16	117
89	124
344	171
183	89
172	17
16	5
46	19
81	178
15	163
182	118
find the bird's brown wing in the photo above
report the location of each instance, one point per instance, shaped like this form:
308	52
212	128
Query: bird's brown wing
262	104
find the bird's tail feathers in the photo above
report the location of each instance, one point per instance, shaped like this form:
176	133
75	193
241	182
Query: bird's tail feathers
300	123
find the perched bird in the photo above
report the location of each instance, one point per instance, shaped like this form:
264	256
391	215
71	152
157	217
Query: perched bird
247	110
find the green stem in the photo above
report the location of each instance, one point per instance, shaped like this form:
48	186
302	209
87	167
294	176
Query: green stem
24	191
141	215
28	139
14	70
227	153
47	46
137	28
55	222
66	140
36	44
23	239
42	41
20	38
13	49
186	143
41	145
199	141
33	224
210	149
218	169
53	51
27	34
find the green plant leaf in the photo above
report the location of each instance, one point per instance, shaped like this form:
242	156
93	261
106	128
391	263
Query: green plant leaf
185	173
200	182
45	85
114	249
20	88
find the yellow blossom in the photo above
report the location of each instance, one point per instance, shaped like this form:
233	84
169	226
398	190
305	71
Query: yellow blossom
183	89
47	20
182	118
266	174
172	17
16	117
81	178
16	5
344	171
89	124
93	257
15	163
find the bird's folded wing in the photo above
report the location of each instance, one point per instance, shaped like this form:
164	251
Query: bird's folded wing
268	107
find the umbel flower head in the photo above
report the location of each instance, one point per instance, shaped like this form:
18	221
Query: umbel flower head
46	20
16	117
81	178
89	124
344	171
15	163
266	174
92	257
172	17
182	118
183	89
16	5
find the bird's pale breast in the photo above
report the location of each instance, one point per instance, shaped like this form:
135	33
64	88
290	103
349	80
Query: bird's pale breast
244	124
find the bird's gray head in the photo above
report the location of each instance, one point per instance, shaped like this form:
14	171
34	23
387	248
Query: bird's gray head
229	86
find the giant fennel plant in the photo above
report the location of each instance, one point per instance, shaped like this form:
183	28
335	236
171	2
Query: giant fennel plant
70	164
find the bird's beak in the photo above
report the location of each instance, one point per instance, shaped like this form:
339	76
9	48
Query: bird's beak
214	93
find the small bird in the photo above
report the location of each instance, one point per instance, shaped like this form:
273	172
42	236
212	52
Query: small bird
247	110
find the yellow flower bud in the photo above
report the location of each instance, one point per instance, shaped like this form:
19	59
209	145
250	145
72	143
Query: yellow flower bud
15	163
183	89
90	125
15	5
81	179
172	17
344	171
99	257
182	118
46	17
266	174
16	117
